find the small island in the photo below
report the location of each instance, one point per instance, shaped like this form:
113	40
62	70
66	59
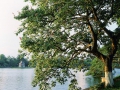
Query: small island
13	62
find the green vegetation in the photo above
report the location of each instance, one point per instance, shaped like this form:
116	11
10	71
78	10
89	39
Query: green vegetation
96	69
101	86
60	34
10	62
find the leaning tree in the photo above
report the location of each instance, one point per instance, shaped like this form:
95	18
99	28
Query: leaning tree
60	33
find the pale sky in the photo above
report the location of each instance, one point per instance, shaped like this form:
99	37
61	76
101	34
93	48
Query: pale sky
9	42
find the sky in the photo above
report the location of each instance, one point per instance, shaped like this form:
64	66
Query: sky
9	42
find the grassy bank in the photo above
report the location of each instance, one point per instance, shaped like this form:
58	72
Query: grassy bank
102	87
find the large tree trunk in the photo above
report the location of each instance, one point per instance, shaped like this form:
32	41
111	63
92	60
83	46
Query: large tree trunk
108	74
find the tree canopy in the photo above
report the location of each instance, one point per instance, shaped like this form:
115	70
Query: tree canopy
60	34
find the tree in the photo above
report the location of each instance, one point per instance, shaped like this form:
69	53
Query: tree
59	34
96	68
3	62
12	61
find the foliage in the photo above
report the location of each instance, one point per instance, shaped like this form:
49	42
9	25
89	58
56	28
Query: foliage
59	34
96	68
6	62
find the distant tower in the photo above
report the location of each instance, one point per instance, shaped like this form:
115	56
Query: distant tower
21	64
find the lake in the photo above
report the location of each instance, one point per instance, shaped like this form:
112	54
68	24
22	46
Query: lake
20	79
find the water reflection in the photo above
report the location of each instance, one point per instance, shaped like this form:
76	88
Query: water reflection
16	79
116	72
20	79
83	82
86	81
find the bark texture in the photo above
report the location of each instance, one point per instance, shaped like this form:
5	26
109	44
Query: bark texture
108	74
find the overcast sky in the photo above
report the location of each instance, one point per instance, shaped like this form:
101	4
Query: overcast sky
9	42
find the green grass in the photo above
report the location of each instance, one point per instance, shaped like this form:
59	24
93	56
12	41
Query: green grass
102	87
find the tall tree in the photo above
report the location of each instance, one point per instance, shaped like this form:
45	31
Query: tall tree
60	33
3	62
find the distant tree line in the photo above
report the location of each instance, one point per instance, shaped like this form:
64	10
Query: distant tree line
12	61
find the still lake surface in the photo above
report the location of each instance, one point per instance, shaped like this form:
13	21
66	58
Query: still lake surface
20	79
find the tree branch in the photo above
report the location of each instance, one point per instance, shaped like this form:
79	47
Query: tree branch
94	36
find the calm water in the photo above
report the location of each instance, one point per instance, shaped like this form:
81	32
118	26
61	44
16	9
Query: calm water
20	79
16	79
